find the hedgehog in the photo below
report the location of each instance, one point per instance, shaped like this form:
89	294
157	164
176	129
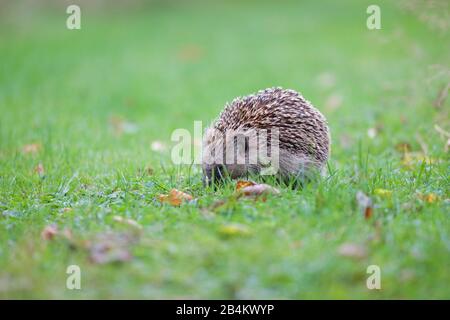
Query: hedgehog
240	142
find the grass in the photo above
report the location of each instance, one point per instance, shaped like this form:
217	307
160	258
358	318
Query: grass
148	71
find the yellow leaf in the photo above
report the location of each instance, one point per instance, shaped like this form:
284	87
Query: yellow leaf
382	193
234	229
413	158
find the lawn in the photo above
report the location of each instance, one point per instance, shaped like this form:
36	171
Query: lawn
86	118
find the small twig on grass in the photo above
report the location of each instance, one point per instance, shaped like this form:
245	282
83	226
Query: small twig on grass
442	96
422	143
441	131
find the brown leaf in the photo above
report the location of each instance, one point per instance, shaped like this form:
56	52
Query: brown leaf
175	197
368	212
403	147
32	148
365	204
243	183
352	250
49	232
149	170
218	204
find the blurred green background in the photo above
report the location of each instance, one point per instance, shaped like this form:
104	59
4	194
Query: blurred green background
99	105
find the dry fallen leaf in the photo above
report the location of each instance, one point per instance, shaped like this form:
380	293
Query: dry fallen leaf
243	183
111	247
352	250
365	203
234	229
32	148
413	158
149	170
49	232
127	221
217	204
258	190
175	197
428	197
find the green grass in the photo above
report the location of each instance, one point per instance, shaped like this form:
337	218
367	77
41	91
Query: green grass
163	66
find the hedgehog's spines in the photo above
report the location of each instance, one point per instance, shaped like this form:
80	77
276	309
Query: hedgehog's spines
303	129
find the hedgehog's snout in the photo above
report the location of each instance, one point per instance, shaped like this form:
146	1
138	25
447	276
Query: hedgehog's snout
214	174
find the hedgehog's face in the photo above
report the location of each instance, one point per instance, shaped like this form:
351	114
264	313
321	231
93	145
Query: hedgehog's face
225	155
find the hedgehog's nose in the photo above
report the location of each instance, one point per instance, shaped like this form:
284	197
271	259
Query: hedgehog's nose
214	175
219	173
